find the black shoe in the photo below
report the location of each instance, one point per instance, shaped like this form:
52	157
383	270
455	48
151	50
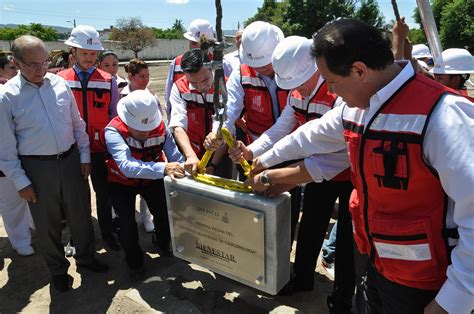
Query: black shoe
337	307
294	286
62	282
111	242
96	266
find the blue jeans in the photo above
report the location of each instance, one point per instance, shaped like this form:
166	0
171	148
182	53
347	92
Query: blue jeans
329	246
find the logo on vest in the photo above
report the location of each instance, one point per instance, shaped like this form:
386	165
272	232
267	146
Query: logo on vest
257	104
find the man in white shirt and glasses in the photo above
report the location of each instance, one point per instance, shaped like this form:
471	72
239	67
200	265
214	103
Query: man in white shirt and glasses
44	150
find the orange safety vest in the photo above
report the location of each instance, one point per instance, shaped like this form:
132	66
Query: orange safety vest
199	109
150	150
92	101
399	209
259	115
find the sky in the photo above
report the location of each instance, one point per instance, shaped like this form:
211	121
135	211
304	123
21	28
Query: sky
154	13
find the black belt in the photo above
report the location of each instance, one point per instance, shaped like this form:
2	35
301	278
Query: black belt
51	157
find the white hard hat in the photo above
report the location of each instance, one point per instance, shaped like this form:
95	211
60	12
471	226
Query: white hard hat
84	37
454	61
139	110
421	51
292	62
259	39
199	28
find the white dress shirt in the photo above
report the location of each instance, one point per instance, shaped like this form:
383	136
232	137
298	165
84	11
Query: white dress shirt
283	126
235	99
448	147
38	121
179	112
169	85
231	62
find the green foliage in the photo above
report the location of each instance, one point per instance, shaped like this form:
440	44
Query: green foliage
455	22
178	26
369	12
272	11
304	17
168	33
38	30
417	36
132	34
175	32
457	25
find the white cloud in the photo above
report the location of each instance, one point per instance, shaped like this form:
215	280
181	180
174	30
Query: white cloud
177	1
8	7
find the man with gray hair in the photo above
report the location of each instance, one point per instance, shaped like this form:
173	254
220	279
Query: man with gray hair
44	150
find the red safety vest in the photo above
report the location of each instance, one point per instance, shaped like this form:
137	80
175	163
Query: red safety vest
259	115
318	105
92	101
399	209
199	108
150	150
178	72
322	102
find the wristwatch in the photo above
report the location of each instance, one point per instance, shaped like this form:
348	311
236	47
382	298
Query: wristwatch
264	180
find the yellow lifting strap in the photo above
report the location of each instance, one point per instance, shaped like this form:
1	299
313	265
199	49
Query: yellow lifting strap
222	182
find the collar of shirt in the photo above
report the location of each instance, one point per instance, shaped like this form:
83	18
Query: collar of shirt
78	71
20	80
381	96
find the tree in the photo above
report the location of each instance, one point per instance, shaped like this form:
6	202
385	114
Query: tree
304	17
132	34
38	30
175	32
178	26
455	22
273	12
457	25
167	33
369	12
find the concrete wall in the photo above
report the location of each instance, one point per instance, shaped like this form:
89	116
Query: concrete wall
163	49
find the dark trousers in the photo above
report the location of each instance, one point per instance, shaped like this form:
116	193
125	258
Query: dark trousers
123	200
60	185
385	296
295	210
318	204
102	198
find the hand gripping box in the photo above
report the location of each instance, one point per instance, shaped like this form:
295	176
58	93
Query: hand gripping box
243	236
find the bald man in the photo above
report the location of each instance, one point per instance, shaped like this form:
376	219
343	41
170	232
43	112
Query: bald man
44	150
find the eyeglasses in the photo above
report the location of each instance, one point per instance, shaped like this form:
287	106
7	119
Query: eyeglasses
37	66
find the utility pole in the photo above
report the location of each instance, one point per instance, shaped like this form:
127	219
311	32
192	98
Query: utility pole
73	22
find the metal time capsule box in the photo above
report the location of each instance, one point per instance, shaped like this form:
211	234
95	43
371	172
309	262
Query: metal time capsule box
242	236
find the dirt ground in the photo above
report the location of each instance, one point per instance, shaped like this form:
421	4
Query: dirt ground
171	285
